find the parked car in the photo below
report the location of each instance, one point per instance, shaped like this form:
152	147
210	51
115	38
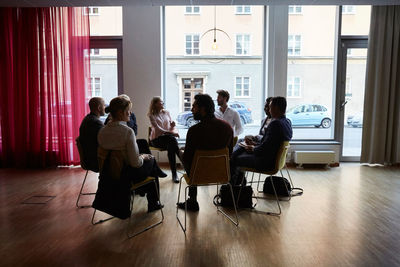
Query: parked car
309	115
186	118
355	120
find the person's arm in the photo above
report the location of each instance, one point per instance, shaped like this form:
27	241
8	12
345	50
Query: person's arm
172	125
188	154
134	159
273	135
237	123
132	123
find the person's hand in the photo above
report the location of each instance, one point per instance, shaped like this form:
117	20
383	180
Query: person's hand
249	139
172	124
175	134
147	156
249	148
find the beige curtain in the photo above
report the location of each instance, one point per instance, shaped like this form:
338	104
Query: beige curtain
381	133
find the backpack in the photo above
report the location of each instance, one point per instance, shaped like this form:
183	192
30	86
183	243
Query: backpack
282	187
224	198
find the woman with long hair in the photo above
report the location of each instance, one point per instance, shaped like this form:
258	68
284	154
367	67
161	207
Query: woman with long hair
164	133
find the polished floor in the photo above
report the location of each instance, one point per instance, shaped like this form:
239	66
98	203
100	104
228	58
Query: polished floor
348	216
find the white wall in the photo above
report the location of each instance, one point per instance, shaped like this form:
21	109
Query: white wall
142	59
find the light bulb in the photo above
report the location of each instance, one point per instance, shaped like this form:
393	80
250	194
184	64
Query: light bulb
214	46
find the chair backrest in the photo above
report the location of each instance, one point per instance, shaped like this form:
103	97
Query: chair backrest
80	150
281	156
210	167
235	139
116	161
148	136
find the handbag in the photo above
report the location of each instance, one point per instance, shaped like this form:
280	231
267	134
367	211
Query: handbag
224	198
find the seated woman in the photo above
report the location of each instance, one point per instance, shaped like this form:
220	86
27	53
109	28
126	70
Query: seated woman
163	133
116	135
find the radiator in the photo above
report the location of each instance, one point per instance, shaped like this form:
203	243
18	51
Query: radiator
314	157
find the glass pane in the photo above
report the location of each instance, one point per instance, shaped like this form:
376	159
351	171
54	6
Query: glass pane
188	9
196	9
356	20
311	81
104	73
107	22
353	113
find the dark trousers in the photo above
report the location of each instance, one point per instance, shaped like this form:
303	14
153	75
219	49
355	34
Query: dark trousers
136	175
143	146
169	143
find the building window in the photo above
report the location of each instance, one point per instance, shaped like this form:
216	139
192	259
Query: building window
95	86
242	45
295	9
92	11
243	10
192	42
293	87
294	45
192	10
242	86
95	52
346	10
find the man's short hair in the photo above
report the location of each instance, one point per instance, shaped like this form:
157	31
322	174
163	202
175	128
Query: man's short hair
205	101
119	103
224	93
94	103
279	102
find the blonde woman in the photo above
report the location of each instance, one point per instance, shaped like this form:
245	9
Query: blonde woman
117	135
163	132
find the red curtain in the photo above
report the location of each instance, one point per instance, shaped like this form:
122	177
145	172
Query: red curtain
44	77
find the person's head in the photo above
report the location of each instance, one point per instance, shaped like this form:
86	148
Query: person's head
97	106
156	105
277	106
223	97
120	108
203	107
125	96
266	107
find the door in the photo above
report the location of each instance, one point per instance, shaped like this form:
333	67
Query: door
351	94
191	87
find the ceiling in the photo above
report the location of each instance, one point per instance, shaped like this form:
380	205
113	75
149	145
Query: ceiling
39	3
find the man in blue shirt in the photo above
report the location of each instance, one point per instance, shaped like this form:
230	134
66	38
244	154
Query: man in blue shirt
262	156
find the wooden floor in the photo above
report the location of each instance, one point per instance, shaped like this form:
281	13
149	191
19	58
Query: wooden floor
348	216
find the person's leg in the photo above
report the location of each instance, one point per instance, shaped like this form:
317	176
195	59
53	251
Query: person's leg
241	160
143	146
172	147
192	203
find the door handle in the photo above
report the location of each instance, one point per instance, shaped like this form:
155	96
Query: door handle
343	104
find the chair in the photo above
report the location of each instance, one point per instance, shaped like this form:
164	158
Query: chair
116	167
280	163
80	150
235	139
153	147
209	167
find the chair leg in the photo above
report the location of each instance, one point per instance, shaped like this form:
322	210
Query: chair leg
287	189
234	205
83	194
258	183
100	221
148	227
177	217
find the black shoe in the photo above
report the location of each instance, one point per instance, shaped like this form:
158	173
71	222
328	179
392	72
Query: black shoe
175	178
192	205
155	206
162	174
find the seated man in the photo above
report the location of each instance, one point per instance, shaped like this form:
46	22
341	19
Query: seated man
88	131
211	133
262	156
253	140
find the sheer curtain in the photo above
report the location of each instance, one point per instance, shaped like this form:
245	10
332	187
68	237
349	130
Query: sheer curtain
44	75
381	126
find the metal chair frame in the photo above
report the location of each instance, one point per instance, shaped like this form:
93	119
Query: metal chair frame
283	150
193	171
150	180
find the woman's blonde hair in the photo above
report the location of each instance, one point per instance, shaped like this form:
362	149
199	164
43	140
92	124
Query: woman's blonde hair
119	103
152	109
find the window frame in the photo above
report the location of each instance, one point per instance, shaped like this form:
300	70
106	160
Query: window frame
93	85
242	83
243	12
345	10
192	10
89	11
294	10
294	47
192	42
250	42
292	79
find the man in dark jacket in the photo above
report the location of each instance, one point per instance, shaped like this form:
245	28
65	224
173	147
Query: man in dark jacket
88	131
209	134
262	156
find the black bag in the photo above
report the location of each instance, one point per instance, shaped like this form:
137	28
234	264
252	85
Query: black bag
279	183
224	198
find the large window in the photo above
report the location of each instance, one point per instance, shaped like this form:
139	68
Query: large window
233	63
192	44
